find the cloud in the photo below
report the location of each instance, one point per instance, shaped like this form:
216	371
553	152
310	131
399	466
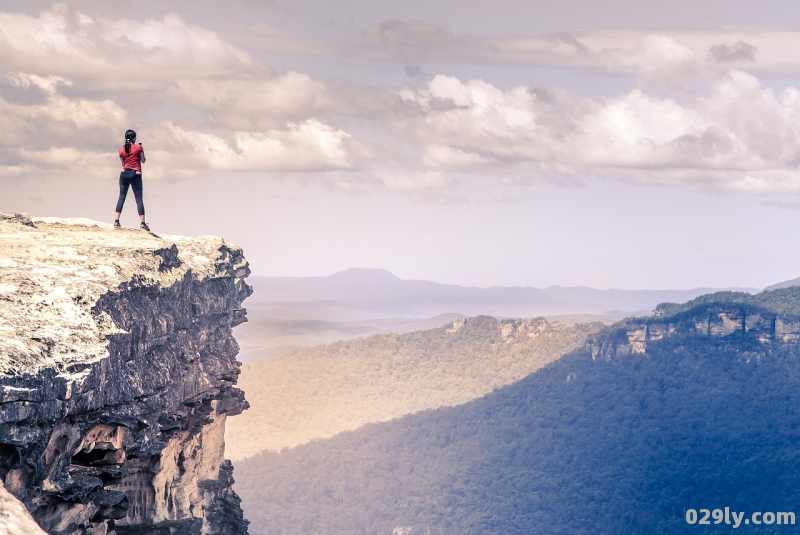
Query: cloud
455	158
415	181
263	37
423	187
677	55
350	184
261	102
740	137
410	40
413	41
252	103
65	135
55	132
87	80
203	105
663	59
641	53
307	146
113	53
573	45
480	125
738	52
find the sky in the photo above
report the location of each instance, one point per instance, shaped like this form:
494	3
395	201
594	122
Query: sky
612	143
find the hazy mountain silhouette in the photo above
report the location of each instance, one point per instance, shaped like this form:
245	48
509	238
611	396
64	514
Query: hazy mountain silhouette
359	294
784	284
286	313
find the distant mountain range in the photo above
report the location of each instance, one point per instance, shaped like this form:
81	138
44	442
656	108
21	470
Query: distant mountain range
784	284
361	294
290	312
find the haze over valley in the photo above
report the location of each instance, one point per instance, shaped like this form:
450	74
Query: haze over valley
320	391
624	434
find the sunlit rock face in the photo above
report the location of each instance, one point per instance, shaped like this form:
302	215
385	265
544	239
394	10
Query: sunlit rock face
117	372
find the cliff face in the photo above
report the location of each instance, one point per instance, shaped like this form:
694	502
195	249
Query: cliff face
117	372
713	320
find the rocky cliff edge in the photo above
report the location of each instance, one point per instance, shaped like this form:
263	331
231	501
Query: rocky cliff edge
117	371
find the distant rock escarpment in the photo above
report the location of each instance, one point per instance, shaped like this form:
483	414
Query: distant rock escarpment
771	318
117	372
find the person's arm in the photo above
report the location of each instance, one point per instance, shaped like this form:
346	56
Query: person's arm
141	155
122	161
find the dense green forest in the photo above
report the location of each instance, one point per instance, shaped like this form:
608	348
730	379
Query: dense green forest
319	391
581	446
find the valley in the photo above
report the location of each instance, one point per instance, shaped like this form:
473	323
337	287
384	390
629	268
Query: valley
695	406
317	392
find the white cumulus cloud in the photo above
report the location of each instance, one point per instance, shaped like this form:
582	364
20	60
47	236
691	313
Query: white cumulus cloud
75	83
64	42
740	136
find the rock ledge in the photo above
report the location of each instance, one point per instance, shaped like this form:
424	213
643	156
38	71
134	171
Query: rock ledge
117	371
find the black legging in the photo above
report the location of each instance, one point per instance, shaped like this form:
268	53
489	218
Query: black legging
129	177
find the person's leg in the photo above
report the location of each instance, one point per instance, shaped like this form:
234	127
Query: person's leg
123	192
136	185
137	191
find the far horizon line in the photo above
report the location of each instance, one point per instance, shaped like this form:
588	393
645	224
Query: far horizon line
745	289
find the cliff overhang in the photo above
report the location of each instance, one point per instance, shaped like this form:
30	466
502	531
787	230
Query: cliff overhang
117	372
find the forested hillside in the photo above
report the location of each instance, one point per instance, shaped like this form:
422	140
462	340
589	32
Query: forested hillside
320	391
696	410
264	337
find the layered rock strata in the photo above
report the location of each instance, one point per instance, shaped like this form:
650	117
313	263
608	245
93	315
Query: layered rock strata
117	372
715	320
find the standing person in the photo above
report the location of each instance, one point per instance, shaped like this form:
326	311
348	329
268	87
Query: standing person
132	157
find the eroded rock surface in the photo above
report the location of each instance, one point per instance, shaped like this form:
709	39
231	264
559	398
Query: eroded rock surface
15	518
715	320
117	372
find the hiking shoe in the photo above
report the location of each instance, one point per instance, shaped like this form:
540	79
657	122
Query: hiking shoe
144	226
116	224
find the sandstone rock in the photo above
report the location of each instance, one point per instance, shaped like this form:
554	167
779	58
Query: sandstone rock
787	330
457	324
513	330
637	338
117	372
726	322
714	321
762	325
